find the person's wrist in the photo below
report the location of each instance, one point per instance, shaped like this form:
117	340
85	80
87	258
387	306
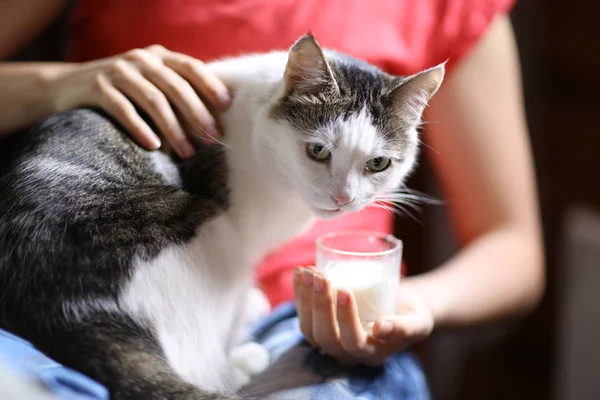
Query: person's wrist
419	286
56	94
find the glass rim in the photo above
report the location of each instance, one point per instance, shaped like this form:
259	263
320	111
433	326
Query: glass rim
390	238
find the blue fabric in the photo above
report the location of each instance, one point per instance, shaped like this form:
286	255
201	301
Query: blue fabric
400	378
62	382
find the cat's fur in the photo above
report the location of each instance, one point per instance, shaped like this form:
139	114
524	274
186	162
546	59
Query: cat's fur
135	269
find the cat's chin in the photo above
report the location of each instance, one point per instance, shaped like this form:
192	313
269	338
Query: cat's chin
327	214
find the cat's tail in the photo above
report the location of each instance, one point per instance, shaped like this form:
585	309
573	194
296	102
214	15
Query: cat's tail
123	356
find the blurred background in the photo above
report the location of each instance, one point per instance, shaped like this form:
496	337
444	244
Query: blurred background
552	353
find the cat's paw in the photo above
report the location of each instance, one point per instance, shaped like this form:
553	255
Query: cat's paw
240	378
249	360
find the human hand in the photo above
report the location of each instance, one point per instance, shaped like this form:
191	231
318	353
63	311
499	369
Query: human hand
153	78
335	328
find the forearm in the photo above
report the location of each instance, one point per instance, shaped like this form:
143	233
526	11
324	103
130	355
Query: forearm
498	274
27	93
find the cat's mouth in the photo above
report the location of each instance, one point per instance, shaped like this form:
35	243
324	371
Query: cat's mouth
328	213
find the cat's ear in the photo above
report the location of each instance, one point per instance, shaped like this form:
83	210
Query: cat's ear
413	93
307	70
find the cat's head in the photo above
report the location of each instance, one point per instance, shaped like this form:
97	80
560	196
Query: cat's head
350	129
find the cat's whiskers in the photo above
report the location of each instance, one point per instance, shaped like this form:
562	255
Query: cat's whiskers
411	195
419	126
395	209
384	207
422	143
407	212
411	204
404	201
213	138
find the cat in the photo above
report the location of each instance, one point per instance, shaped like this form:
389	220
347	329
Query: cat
134	267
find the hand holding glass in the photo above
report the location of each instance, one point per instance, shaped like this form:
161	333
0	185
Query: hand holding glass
365	263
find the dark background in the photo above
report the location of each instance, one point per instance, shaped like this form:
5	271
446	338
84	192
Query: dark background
559	47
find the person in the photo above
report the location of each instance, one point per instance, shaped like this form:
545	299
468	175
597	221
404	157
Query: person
482	156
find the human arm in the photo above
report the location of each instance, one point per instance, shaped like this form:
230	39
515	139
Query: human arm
483	160
175	90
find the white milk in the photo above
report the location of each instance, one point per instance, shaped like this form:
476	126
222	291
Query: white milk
373	285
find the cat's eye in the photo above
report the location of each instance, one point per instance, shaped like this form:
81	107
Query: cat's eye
378	164
318	151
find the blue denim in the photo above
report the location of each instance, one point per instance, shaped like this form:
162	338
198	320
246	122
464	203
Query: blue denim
30	364
400	378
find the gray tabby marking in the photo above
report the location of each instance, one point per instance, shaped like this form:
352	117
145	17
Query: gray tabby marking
73	233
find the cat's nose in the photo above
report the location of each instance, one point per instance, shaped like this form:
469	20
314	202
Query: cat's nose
341	199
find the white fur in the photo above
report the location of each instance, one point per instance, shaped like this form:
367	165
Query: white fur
352	143
160	163
249	359
192	294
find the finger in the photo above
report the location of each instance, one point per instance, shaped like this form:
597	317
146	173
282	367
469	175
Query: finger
118	106
353	338
201	77
381	350
296	282
153	101
184	97
395	333
403	329
304	303
297	285
325	329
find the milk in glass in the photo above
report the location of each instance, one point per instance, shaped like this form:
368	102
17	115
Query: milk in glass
371	284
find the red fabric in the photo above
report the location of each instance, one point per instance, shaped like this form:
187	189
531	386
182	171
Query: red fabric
400	36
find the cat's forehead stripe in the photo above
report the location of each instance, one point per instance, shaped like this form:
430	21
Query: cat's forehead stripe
363	91
357	133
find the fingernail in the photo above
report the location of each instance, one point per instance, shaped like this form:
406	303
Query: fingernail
297	277
154	143
307	278
212	132
343	298
186	149
224	98
319	283
384	329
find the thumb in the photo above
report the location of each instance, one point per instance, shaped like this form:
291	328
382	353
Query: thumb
402	328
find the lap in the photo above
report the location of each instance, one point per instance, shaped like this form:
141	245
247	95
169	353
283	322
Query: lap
300	372
297	370
27	373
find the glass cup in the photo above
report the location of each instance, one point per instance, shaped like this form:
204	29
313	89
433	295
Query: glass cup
365	263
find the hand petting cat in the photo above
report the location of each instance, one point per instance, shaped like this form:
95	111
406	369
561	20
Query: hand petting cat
334	326
175	90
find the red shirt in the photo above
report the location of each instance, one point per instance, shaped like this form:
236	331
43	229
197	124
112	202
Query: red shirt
400	36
